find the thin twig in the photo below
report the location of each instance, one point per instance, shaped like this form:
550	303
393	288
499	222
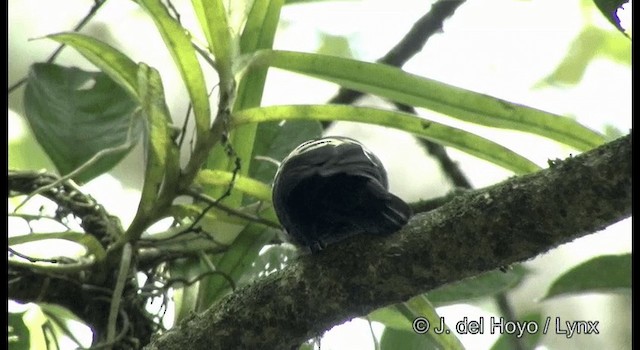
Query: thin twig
33	260
231	211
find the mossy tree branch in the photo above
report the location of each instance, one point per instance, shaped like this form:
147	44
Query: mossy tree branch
475	232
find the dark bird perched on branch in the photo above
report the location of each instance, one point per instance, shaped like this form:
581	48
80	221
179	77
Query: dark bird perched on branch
331	188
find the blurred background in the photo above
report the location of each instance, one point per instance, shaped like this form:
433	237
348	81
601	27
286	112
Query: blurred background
563	57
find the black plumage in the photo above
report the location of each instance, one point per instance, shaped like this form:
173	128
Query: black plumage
331	188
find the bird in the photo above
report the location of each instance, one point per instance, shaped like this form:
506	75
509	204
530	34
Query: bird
332	188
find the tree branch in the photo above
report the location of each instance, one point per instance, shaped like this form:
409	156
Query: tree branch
473	233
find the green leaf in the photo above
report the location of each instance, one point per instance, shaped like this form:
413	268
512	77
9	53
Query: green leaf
247	185
603	274
158	145
397	85
212	16
88	241
234	263
445	135
75	114
276	140
609	9
111	61
184	55
262	22
18	333
487	284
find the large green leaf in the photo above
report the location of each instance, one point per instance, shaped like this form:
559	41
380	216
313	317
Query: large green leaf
184	55
111	61
75	114
397	85
159	145
603	274
446	135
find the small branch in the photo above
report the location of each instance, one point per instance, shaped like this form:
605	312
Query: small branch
477	232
